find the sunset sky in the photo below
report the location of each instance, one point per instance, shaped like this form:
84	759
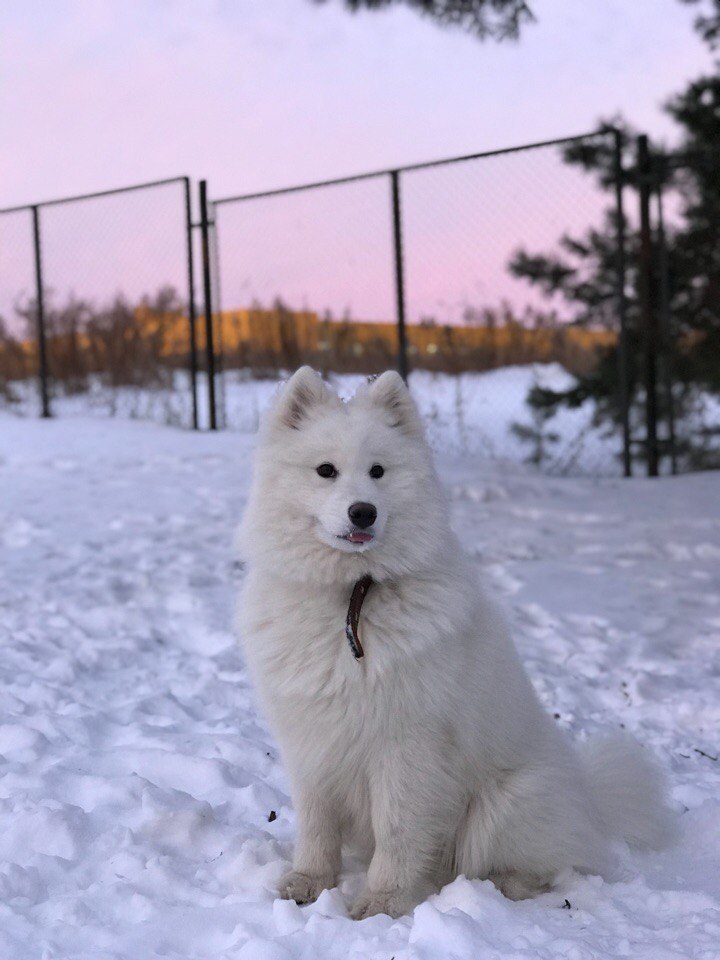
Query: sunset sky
256	94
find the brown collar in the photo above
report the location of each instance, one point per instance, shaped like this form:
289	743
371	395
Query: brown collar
353	615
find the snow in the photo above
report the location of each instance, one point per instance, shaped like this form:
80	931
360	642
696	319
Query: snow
137	778
469	412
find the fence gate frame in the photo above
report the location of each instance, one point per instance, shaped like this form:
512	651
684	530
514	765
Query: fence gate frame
34	209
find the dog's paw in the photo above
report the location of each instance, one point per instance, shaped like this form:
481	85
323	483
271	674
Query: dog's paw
303	888
520	886
394	903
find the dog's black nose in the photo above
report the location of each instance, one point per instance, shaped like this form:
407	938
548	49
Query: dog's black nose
362	514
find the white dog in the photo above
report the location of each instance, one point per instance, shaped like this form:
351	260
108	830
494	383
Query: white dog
420	741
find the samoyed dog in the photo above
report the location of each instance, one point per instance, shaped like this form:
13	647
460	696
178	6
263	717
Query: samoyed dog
408	726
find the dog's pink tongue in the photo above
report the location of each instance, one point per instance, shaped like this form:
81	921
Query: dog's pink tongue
358	537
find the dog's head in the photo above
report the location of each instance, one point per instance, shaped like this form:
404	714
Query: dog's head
344	489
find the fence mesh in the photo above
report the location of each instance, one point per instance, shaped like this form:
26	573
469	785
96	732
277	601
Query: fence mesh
303	273
308	276
18	356
115	293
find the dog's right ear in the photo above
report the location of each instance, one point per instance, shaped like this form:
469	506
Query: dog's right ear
301	396
389	392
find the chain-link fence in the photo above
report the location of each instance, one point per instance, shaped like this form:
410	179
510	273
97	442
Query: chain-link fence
446	270
555	303
98	307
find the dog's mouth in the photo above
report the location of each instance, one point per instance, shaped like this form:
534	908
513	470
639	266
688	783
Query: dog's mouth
357	536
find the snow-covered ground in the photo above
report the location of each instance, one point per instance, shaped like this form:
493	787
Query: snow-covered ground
143	809
474	413
466	413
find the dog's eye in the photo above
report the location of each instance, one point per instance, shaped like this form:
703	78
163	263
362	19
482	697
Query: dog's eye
376	471
327	470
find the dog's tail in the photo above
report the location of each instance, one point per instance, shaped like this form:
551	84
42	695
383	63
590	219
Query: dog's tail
629	791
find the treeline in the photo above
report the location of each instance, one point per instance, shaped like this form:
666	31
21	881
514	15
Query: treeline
123	344
263	339
119	344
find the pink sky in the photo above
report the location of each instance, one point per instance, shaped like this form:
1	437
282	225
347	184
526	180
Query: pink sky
97	94
332	248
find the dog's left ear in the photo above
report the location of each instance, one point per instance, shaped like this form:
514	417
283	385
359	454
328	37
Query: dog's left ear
390	393
301	396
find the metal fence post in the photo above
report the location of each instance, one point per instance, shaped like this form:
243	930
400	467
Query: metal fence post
192	318
399	278
207	293
648	316
217	300
622	353
40	311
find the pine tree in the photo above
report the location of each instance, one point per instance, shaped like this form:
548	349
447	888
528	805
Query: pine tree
686	273
495	19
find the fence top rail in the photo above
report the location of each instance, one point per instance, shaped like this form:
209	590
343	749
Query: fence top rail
604	131
93	196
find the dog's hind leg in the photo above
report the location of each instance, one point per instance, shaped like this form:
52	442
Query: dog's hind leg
524	828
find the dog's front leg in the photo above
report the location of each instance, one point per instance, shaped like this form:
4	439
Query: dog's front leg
409	819
316	862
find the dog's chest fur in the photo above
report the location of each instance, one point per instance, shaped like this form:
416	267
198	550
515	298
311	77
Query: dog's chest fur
333	714
301	659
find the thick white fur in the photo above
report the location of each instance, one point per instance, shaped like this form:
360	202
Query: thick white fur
432	755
